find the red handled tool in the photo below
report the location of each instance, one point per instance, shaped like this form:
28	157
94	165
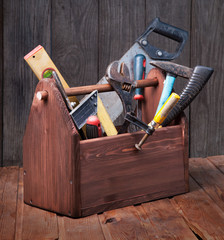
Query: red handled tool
93	127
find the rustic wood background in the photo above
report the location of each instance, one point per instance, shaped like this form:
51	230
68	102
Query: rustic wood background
83	37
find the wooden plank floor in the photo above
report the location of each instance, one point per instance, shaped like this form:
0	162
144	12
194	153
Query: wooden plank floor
198	214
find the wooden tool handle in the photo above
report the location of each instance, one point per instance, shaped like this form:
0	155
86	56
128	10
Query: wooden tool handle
107	87
42	95
159	118
165	109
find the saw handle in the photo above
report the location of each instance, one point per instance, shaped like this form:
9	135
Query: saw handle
197	81
166	30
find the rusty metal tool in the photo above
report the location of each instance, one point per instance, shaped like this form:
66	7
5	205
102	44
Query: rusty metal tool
198	77
87	107
118	76
62	90
67	101
81	90
172	72
142	46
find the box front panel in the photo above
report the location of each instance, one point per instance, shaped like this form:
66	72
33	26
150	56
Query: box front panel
113	171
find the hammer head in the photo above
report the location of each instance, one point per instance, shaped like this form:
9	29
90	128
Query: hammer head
173	68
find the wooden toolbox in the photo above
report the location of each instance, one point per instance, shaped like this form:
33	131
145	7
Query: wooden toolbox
77	177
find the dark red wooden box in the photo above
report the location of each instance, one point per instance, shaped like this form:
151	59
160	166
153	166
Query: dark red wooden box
78	178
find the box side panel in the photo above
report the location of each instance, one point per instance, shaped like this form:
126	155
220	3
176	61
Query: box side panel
49	154
115	174
152	96
185	139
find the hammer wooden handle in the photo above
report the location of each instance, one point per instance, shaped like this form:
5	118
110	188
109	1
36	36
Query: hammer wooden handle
74	91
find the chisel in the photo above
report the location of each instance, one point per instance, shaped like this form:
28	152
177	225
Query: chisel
159	118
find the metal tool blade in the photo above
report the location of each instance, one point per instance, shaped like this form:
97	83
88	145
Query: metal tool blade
111	100
86	108
173	68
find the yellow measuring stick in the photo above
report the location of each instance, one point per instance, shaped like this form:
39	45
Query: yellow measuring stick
39	61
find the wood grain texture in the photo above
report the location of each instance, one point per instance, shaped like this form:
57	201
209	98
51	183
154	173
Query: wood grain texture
26	25
152	96
84	228
83	38
194	215
75	40
163	221
114	173
8	196
204	217
178	14
1	83
19	207
38	224
97	174
51	154
218	161
123	224
210	178
207	49
120	24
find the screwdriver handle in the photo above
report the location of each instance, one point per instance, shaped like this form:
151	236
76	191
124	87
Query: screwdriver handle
93	127
139	73
199	78
165	109
159	117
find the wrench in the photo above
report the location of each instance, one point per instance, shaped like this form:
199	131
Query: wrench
118	76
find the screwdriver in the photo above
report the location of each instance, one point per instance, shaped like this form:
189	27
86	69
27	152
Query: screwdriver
159	117
139	73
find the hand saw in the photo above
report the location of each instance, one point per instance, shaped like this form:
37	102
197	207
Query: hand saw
142	46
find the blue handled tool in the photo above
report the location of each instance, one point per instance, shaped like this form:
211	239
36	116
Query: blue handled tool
167	89
173	70
139	73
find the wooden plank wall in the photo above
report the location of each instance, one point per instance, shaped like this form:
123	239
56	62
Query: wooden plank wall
83	37
1	84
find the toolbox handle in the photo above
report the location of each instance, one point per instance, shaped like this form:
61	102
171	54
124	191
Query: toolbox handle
166	30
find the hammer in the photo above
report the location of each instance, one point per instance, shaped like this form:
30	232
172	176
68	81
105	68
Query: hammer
172	71
199	76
